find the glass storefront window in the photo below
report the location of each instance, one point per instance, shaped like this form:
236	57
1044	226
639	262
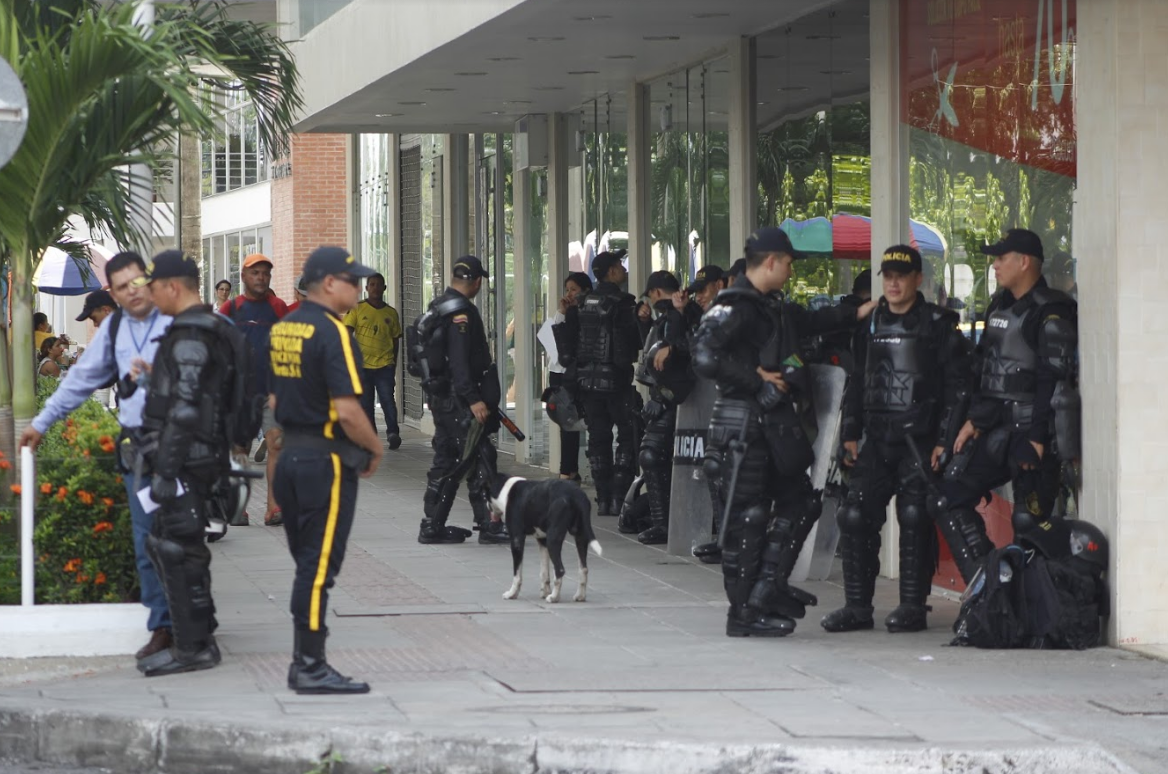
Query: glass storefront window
373	200
813	147
987	94
605	177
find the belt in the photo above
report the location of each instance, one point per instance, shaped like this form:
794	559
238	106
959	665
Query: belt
352	455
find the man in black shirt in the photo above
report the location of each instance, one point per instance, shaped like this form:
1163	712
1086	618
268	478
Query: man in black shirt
464	395
749	344
1027	359
328	444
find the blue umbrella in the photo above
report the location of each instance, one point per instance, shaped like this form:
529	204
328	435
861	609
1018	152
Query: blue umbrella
60	275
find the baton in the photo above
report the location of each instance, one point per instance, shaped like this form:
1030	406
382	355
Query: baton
512	428
737	451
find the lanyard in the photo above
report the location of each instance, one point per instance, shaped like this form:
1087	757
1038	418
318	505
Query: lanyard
146	339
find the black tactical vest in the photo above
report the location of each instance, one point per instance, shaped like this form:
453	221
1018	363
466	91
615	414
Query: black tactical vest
1010	366
898	371
597	314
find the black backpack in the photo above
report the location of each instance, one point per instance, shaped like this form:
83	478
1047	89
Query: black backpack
994	610
426	346
115	323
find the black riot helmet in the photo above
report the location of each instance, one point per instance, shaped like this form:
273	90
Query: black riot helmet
562	409
1089	545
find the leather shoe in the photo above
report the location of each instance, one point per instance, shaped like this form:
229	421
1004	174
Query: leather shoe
160	640
394	440
174	662
708	553
320	678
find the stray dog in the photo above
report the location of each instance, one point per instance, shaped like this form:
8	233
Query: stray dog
552	510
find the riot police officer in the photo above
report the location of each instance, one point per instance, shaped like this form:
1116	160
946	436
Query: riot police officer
328	443
463	390
1025	399
748	343
669	380
186	450
909	387
600	339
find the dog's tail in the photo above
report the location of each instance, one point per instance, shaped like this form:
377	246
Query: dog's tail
594	544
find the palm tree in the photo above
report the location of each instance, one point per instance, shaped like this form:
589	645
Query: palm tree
104	94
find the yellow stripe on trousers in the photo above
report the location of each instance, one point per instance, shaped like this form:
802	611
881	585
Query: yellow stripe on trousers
326	546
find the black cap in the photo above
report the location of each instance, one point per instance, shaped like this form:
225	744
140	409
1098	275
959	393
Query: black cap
605	261
737	269
662	280
772	239
170	264
862	283
1017	240
469	267
96	300
330	261
705	276
901	259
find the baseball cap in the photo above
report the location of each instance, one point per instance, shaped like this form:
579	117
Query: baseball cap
772	239
170	264
662	280
1017	240
94	301
469	267
329	261
901	259
705	276
605	261
301	286
255	258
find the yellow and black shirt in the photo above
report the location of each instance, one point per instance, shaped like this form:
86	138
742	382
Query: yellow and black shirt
314	361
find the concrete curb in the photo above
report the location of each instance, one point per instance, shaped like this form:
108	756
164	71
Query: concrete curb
179	746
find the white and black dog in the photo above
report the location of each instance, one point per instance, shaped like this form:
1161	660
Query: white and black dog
551	509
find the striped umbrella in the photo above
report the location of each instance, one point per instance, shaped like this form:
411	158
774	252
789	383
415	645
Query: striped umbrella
60	275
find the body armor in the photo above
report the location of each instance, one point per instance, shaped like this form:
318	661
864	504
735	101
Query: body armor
1011	364
898	380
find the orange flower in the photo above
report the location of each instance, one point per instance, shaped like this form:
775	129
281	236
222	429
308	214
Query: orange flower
104	439
15	489
100	579
117	479
85	452
61	493
82	578
108	448
85	497
102	526
68	423
5	464
46	488
73	565
108	502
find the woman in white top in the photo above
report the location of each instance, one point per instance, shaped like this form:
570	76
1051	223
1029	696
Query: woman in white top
51	350
576	285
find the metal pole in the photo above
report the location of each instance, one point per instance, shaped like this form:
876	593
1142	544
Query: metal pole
27	497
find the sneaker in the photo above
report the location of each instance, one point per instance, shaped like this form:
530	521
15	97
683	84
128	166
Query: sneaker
394	440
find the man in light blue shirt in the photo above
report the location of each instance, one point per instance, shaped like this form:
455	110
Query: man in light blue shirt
138	330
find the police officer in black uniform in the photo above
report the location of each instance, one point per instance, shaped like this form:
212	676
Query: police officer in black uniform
328	444
464	396
910	385
1027	356
748	343
670	381
186	448
600	339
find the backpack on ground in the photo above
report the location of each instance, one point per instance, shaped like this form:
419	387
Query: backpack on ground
993	611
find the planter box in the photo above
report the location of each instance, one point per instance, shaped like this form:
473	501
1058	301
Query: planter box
71	630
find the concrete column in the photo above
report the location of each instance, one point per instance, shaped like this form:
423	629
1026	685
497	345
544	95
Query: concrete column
560	150
640	187
1121	242
520	292
393	291
456	207
743	134
889	189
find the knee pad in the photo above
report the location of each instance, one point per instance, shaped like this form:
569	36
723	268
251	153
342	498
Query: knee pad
851	518
651	458
912	515
730	561
754	522
712	466
164	553
624	461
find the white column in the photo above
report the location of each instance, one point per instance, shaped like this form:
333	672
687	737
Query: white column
889	192
520	291
455	221
393	283
743	134
640	187
561	147
1121	246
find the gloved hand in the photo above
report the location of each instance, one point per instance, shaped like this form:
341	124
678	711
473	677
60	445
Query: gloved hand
769	396
163	490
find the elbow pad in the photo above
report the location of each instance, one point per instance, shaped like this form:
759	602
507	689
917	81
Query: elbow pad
1058	345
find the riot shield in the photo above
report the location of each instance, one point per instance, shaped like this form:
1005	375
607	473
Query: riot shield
691	513
826	386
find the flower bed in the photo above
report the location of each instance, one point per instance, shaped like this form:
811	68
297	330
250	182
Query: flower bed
83	538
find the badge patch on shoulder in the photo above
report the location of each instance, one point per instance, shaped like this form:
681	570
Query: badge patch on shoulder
459	319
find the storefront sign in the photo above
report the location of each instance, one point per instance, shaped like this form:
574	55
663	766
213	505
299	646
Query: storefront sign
995	75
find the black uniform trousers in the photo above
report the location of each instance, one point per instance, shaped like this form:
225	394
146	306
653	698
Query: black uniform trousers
882	470
569	440
319	497
451	427
603	411
178	550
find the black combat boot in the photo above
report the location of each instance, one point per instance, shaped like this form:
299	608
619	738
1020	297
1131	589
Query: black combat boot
657	482
433	532
750	622
436	504
917	564
173	661
494	533
860	555
310	673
